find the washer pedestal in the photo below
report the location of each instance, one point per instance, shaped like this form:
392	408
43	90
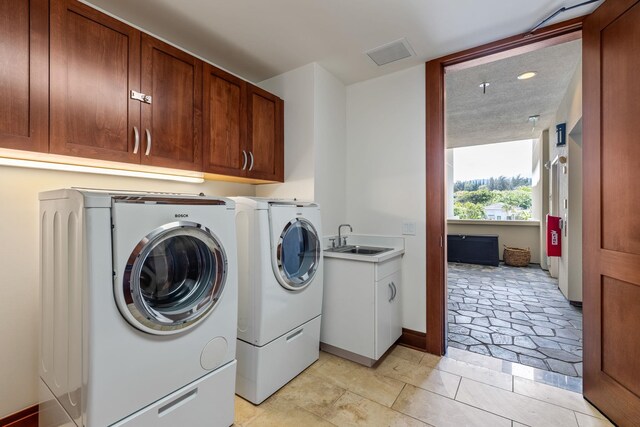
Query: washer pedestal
263	370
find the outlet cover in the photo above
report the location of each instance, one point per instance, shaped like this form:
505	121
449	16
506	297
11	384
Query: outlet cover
409	228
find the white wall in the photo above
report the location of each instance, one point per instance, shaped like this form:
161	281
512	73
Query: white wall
386	173
570	188
315	141
540	191
574	230
449	181
330	149
19	272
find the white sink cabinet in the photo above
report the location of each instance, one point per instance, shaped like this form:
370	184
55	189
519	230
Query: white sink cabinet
361	315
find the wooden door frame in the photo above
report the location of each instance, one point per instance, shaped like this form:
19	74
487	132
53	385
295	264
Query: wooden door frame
435	156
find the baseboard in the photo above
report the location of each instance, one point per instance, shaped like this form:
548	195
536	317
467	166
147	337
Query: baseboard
413	339
27	417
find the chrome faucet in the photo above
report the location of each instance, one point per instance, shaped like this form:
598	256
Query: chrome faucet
343	240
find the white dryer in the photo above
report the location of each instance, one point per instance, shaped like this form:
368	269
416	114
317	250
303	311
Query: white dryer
280	292
139	307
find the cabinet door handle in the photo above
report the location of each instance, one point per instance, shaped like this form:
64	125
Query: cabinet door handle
391	289
148	150
251	166
395	291
136	139
244	162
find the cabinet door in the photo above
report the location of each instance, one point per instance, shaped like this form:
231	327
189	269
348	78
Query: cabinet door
94	64
224	123
172	122
395	325
387	313
265	135
24	74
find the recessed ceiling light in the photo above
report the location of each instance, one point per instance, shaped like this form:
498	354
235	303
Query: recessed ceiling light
527	75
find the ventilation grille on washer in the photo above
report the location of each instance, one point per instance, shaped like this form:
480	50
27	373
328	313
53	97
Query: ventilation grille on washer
391	52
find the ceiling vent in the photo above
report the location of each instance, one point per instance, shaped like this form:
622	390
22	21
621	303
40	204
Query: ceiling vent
391	52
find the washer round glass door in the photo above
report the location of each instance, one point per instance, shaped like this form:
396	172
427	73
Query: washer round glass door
173	278
298	254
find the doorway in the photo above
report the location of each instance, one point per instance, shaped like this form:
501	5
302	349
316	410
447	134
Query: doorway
610	240
436	197
511	307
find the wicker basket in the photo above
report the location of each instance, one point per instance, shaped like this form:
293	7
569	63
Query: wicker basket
516	257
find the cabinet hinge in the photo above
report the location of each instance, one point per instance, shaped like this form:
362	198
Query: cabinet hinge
141	97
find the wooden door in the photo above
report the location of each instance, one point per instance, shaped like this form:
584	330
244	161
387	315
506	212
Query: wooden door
265	135
224	123
611	207
94	64
172	122
24	74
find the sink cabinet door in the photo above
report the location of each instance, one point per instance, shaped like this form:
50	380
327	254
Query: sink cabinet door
348	306
387	313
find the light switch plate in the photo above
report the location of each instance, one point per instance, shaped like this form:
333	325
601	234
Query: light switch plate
409	228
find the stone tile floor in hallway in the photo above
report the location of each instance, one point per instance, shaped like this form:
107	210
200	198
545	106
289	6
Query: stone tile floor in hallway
515	314
410	388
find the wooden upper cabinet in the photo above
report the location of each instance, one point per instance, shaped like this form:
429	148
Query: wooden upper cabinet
224	123
24	74
94	65
68	76
172	122
265	140
243	128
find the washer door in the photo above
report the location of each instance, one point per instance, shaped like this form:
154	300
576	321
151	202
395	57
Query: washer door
173	278
297	254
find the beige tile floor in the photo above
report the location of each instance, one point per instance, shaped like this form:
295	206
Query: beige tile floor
410	388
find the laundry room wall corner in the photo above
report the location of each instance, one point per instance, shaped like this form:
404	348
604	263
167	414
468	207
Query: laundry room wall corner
315	141
386	173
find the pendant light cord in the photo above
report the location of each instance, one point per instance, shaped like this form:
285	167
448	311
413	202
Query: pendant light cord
558	12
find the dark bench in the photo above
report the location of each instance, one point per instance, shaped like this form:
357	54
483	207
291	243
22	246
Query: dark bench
473	249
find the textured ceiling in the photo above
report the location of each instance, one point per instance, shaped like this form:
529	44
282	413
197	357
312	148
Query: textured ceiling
501	114
258	39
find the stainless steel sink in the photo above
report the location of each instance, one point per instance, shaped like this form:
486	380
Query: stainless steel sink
360	250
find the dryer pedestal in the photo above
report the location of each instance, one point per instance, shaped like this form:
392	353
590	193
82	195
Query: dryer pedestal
263	370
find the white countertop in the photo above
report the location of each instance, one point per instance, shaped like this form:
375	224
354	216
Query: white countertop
396	243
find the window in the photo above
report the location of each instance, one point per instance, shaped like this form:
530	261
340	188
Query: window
491	181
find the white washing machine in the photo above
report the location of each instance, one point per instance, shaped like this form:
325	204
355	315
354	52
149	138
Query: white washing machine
280	292
139	307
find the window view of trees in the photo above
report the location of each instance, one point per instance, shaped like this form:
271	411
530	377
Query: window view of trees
498	198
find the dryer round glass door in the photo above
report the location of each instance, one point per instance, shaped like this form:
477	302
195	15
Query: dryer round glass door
298	254
173	278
